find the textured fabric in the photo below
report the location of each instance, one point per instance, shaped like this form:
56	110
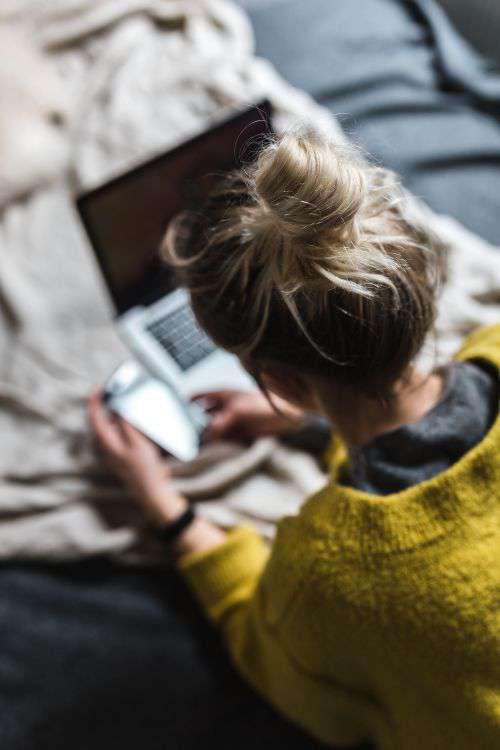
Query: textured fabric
376	617
142	76
97	657
405	86
415	452
479	23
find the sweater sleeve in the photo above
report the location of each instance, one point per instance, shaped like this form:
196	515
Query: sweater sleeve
227	575
246	592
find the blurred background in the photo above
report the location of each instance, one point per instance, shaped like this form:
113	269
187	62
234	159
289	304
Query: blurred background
477	22
403	83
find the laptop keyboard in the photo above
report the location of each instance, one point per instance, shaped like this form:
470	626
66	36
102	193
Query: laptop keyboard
180	336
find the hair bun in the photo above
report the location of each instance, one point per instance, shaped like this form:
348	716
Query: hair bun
308	185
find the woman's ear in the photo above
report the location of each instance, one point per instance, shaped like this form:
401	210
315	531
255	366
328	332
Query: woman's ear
290	386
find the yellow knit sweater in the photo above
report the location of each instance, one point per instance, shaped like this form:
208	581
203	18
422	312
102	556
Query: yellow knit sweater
375	617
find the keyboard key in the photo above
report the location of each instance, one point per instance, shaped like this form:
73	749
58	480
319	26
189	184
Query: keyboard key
180	336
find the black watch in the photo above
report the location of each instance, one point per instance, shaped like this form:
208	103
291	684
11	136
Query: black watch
170	531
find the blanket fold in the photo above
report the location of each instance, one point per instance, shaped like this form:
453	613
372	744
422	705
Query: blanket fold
122	80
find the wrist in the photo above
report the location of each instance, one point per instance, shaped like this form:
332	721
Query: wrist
164	507
200	536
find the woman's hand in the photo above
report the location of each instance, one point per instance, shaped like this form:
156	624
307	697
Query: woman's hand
246	415
137	462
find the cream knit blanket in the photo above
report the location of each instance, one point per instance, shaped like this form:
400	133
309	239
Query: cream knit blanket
89	89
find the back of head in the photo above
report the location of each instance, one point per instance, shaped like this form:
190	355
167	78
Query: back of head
307	258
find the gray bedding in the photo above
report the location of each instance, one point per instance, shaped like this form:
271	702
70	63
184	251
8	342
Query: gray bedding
405	86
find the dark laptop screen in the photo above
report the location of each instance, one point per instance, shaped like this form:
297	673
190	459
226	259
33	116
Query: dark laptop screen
126	218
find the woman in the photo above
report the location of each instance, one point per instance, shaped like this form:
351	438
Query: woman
376	614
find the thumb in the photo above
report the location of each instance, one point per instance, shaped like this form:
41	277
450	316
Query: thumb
220	426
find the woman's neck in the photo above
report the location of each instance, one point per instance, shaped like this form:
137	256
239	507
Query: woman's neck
359	419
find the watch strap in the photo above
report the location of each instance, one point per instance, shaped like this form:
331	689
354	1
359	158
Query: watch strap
170	531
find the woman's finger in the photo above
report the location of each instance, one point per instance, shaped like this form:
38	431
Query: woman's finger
105	430
220	426
213	399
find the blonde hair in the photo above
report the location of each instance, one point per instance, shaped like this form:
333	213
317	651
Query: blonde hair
307	258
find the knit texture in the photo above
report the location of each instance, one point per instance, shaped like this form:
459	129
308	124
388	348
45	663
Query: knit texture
375	617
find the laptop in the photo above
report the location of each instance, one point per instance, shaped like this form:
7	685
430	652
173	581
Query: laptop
126	219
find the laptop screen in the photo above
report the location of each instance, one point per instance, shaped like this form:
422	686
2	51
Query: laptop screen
127	217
